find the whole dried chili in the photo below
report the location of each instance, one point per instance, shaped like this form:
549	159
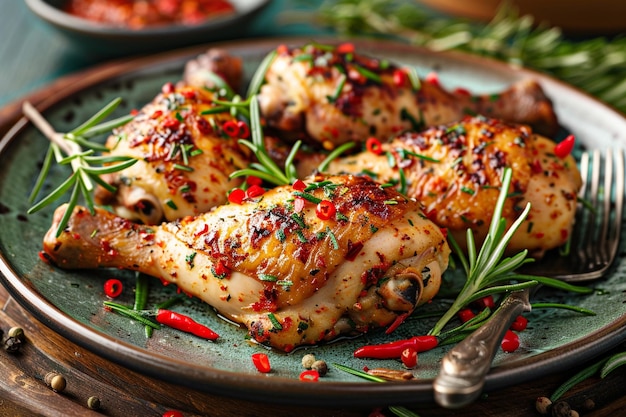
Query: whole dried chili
393	350
184	323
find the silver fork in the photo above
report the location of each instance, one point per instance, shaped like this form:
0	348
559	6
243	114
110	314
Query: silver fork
593	249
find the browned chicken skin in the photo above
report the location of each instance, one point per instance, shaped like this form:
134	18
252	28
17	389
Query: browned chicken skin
455	171
184	157
333	95
289	276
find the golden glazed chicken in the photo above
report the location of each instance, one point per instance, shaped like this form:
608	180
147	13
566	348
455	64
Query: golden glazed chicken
455	171
296	266
332	95
186	146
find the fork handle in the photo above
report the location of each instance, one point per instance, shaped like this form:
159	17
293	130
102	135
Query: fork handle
463	369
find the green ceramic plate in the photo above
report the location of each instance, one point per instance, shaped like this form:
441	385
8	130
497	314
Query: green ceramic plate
71	302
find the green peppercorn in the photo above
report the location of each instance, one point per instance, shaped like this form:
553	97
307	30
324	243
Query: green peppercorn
55	381
93	403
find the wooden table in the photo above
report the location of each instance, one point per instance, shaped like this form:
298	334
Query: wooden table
124	393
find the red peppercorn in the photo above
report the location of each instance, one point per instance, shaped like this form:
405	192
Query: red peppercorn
409	357
565	147
373	145
113	288
261	362
236	196
519	324
325	210
510	342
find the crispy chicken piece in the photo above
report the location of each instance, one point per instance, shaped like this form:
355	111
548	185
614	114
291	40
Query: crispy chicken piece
333	95
455	171
184	157
273	264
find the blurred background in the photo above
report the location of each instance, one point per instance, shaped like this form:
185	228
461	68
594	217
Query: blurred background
579	42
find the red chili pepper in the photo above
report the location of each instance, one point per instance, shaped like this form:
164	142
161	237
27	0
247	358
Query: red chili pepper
565	147
460	91
113	288
409	358
244	130
373	145
433	79
325	210
466	314
220	268
510	342
255	191
230	128
393	350
172	413
236	196
299	185
345	48
310	375
485	302
400	318
262	362
298	204
252	180
184	323
519	324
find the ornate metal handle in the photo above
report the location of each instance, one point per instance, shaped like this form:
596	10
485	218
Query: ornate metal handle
463	369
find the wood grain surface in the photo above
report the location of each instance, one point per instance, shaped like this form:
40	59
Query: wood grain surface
124	393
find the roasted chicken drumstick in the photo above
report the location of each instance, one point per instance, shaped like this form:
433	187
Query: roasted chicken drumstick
291	273
332	95
455	171
186	146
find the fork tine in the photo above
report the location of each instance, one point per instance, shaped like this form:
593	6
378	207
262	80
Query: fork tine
597	236
618	208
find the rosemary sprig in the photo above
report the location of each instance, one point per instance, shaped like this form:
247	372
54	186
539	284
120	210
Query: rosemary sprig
596	65
487	272
266	168
67	149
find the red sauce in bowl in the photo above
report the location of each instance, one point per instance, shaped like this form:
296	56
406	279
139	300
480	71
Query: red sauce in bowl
138	14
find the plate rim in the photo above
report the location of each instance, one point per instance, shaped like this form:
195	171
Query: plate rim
259	388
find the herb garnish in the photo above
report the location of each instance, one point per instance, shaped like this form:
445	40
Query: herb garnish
67	149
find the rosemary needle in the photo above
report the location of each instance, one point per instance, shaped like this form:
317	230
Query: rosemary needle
67	149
